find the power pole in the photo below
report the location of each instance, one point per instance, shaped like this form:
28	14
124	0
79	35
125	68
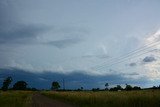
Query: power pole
63	84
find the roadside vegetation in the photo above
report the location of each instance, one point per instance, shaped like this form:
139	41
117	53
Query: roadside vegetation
143	98
15	98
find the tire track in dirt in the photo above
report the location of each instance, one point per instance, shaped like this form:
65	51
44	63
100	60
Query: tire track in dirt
39	100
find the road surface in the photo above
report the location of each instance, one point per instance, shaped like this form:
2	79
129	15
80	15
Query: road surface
43	101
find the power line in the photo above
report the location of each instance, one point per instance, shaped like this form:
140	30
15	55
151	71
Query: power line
121	61
129	54
63	84
116	62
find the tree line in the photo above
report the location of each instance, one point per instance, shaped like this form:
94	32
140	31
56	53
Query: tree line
19	85
22	85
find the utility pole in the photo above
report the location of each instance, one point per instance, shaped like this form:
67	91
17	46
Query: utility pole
63	84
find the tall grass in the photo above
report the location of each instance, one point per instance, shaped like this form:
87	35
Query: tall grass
109	99
15	99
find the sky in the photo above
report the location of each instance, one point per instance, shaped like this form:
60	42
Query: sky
91	37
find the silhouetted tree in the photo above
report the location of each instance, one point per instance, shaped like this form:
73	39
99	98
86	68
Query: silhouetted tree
136	88
20	85
6	83
128	87
55	85
78	89
106	85
113	89
81	88
31	89
34	89
118	87
95	89
155	87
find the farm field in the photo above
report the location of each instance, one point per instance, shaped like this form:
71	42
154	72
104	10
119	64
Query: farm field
109	99
28	99
15	98
143	98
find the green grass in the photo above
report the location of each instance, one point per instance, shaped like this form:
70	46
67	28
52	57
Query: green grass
86	99
15	99
109	99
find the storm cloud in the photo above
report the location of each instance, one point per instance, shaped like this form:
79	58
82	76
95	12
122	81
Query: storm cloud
13	30
64	42
132	64
149	59
21	33
73	80
61	37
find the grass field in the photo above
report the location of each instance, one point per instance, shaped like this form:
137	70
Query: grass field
109	99
15	98
144	98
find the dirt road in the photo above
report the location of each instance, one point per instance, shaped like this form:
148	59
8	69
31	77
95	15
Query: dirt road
43	101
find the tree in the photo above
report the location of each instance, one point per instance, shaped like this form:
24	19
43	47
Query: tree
20	85
136	88
95	89
6	83
55	85
118	87
106	85
128	87
81	88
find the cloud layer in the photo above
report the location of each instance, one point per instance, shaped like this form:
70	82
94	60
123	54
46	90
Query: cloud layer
20	34
72	81
61	36
64	42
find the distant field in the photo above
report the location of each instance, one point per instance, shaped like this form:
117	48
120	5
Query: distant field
15	99
109	99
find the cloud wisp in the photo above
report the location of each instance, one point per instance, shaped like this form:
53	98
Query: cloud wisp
20	34
63	43
132	64
149	59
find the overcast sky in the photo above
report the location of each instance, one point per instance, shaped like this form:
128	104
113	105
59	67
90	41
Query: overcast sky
86	36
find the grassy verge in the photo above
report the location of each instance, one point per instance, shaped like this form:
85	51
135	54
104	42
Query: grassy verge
15	99
109	99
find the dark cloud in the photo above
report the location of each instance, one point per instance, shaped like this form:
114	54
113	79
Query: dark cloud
69	36
149	59
73	80
12	30
63	43
132	64
134	73
21	33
